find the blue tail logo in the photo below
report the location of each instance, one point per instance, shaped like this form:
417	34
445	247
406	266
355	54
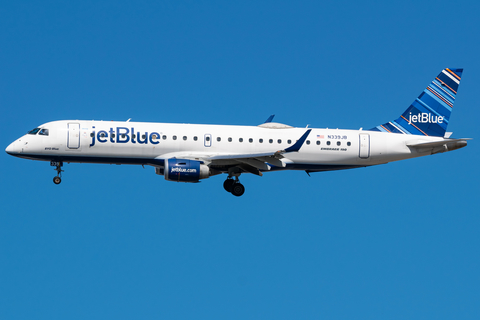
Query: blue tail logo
429	114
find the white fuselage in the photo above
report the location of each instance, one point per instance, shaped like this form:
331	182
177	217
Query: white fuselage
151	143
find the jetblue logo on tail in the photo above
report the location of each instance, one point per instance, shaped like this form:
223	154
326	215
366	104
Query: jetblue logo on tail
429	114
424	118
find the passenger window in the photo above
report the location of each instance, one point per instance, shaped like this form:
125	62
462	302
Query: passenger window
318	142
164	137
308	141
279	141
250	140
102	135
241	139
195	138
174	137
154	136
328	143
133	136
230	139
92	134
207	138
260	140
185	138
144	137
338	143
219	139
289	141
349	143
113	135
270	140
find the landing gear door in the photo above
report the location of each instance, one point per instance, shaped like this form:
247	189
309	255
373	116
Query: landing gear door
73	136
364	152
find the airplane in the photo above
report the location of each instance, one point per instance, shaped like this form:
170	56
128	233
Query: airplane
192	152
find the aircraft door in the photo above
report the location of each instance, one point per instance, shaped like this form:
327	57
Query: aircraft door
364	152
73	137
208	140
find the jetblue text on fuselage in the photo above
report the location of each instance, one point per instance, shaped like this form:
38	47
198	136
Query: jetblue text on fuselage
124	135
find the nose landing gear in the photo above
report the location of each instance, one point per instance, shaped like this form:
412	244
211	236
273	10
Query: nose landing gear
57	180
58	165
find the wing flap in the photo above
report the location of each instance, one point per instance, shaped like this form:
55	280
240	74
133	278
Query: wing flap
274	161
261	165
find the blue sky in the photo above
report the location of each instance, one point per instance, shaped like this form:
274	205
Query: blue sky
390	242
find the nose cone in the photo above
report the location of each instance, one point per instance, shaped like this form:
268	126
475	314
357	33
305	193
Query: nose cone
12	149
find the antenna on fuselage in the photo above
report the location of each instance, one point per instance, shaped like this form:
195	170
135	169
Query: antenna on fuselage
129	119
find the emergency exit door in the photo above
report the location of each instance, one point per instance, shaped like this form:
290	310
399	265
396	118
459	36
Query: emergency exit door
364	152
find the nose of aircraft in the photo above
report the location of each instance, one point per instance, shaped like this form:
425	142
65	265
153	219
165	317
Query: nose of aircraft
12	148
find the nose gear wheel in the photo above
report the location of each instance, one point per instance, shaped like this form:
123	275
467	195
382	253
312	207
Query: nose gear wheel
58	167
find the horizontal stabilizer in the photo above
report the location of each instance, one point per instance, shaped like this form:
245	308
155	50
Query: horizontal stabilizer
439	146
437	143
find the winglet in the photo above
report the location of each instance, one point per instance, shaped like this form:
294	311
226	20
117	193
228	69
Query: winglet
299	143
269	119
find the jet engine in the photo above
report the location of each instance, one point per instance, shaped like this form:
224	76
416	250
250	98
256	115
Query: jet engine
182	170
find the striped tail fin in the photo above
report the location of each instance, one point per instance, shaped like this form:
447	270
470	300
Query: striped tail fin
429	114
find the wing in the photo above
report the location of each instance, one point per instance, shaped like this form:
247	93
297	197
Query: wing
249	162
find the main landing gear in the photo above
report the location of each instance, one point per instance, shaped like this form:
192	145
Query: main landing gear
58	164
233	185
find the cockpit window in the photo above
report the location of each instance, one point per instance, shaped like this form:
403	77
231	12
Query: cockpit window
43	132
34	131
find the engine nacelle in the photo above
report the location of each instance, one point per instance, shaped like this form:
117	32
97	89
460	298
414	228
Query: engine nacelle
182	170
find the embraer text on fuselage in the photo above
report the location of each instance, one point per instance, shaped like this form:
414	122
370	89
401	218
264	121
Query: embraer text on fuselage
124	135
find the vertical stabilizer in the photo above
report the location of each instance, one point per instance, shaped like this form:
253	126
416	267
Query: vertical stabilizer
429	114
